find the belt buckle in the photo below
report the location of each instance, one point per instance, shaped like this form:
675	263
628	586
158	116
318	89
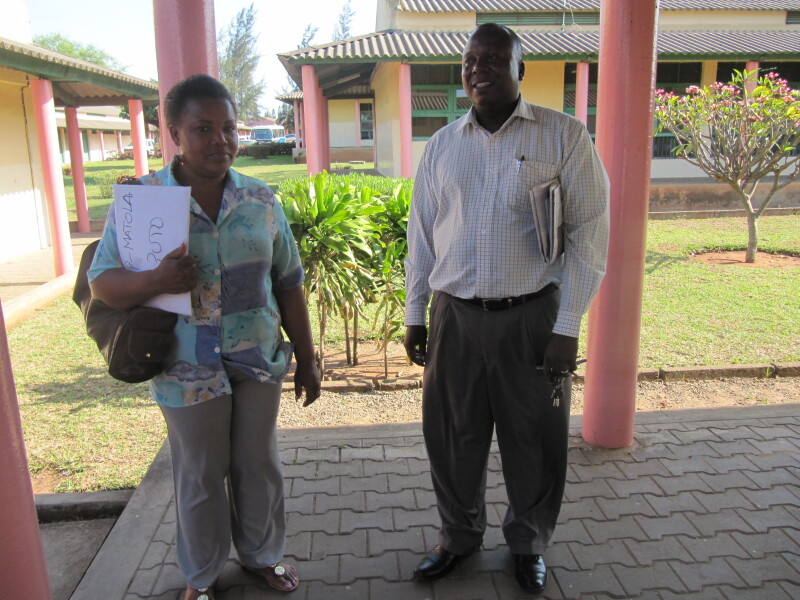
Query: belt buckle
487	302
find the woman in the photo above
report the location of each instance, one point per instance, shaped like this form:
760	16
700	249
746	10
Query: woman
220	390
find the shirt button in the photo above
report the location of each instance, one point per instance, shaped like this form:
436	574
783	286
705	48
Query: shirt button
217	349
215	234
216	271
217	311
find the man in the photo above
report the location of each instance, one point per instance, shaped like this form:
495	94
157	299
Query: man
503	322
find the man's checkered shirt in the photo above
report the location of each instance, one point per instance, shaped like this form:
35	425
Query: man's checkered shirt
471	231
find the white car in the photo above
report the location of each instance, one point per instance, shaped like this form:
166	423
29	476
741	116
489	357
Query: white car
149	145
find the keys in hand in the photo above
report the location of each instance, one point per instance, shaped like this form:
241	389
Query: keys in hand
557	381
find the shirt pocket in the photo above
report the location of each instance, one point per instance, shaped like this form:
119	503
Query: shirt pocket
527	175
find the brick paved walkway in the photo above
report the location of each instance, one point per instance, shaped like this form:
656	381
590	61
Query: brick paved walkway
27	272
706	505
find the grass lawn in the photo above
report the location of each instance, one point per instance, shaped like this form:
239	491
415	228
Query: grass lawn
100	175
103	434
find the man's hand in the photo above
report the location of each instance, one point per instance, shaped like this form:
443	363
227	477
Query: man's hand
415	341
560	356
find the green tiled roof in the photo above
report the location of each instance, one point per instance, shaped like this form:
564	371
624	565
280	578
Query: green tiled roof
440	6
75	82
553	45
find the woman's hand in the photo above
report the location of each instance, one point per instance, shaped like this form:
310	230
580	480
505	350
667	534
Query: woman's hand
294	317
177	271
306	377
123	289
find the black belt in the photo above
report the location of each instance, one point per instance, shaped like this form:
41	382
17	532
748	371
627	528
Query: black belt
506	303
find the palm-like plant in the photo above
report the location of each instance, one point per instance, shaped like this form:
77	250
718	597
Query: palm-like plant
390	278
389	266
330	223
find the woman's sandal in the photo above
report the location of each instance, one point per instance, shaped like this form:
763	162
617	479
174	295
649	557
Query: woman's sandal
277	576
191	593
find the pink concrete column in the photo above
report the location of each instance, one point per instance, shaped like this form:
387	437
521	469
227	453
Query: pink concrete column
119	142
358	123
136	111
326	130
186	43
22	567
582	92
624	141
297	130
47	134
313	124
76	162
406	168
102	145
752	81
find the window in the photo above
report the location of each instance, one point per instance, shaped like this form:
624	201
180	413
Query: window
790	71
540	18
437	98
365	117
793	17
725	70
674	77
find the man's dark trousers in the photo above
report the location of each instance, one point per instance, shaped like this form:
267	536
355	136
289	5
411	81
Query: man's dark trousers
481	373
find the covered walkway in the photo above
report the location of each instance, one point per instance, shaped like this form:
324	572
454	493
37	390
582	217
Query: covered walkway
705	504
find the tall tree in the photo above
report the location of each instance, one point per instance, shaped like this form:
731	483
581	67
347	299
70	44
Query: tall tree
238	62
58	43
342	28
150	114
308	36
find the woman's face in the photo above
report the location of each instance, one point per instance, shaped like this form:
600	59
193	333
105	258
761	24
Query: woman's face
206	134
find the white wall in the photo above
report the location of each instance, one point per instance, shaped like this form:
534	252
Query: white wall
668	168
24	226
723	19
386	82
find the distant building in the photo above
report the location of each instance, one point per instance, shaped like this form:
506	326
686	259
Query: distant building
364	81
95	92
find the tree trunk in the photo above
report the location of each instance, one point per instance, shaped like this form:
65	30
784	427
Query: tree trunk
355	337
323	318
386	339
346	316
752	237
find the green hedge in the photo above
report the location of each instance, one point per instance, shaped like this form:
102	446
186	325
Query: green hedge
260	150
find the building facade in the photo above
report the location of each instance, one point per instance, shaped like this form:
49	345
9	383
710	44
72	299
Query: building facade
409	69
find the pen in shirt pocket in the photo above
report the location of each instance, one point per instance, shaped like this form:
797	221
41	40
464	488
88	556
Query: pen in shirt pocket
520	160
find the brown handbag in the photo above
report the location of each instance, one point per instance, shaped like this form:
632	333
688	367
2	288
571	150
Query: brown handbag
136	342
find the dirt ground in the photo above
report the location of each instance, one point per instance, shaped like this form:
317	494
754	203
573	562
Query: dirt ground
339	409
737	258
405	406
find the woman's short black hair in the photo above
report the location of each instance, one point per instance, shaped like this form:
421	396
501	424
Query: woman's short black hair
192	88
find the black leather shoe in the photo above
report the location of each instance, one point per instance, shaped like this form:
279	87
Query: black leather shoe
438	563
530	571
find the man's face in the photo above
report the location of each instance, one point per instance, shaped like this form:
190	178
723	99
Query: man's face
490	79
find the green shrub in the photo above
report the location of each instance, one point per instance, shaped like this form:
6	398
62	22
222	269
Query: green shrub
103	180
268	149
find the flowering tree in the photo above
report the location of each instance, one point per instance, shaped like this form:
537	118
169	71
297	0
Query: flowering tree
739	133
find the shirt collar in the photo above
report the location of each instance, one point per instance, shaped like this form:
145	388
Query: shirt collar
523	110
233	183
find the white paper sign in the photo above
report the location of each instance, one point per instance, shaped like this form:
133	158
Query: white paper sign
152	221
